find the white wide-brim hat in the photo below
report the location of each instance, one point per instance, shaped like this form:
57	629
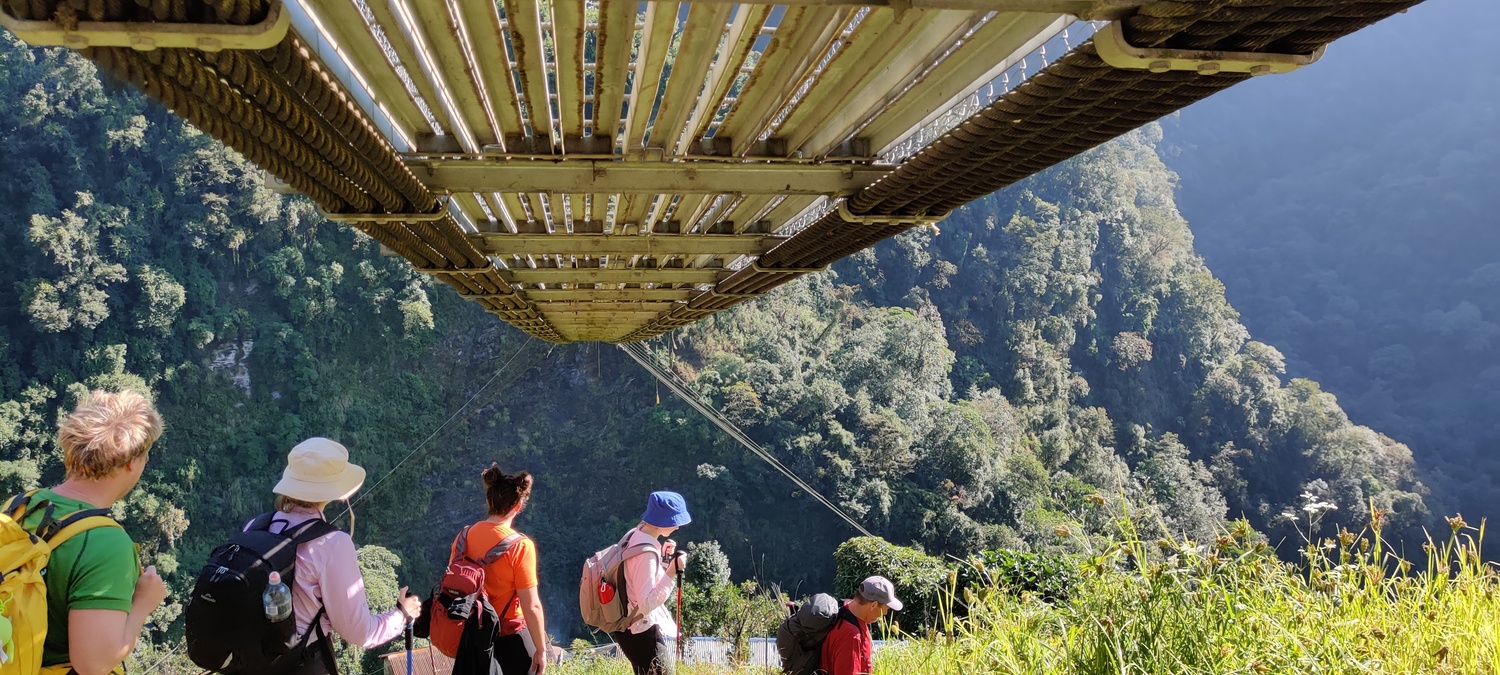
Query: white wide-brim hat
318	470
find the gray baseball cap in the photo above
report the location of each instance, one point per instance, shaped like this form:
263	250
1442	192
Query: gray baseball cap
881	590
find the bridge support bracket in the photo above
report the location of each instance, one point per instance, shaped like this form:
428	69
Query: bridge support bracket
1117	51
455	270
384	218
490	296
848	216
755	266
146	36
734	296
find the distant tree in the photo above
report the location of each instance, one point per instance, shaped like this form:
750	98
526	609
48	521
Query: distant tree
1130	350
1190	503
161	298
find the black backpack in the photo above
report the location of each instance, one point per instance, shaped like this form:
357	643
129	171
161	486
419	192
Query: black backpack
800	638
227	628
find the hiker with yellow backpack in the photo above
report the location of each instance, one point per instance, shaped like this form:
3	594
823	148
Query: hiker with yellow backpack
73	594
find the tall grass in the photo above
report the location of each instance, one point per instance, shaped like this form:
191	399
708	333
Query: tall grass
1350	606
619	666
1230	606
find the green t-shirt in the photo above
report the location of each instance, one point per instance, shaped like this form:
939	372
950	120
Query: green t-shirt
96	569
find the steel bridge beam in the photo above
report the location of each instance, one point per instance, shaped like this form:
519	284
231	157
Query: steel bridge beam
656	245
548	295
586	307
605	177
601	318
1083	9
672	275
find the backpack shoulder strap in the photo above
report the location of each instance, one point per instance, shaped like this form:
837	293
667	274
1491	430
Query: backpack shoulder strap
324	644
501	548
17	504
300	534
844	616
262	522
460	545
628	552
639	549
496	553
309	530
74	524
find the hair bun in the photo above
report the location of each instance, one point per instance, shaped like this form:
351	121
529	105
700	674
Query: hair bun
505	493
492	475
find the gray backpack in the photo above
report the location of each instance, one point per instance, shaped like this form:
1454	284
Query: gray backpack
800	638
602	596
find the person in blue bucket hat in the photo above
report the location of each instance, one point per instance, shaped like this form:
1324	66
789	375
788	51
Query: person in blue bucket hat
649	581
666	510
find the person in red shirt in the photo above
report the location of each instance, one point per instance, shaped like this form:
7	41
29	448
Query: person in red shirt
848	650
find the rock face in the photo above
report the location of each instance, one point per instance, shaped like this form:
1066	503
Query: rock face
234	357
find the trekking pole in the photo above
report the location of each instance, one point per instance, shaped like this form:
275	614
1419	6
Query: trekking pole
408	648
681	637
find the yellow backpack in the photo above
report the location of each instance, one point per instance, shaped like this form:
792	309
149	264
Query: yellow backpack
23	587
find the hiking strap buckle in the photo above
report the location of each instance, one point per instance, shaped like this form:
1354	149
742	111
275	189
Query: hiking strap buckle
51	526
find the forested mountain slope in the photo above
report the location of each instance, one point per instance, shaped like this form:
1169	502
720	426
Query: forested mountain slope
956	390
1091	350
1350	209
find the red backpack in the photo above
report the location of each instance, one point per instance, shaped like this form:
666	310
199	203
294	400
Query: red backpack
461	592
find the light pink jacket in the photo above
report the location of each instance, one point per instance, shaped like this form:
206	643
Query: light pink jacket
327	569
649	586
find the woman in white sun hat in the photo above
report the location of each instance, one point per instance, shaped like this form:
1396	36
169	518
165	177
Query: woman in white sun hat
327	573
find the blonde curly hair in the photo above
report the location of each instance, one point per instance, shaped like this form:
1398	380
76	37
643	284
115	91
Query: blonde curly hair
107	431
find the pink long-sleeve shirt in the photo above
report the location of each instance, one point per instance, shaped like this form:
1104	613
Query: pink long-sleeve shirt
649	585
328	569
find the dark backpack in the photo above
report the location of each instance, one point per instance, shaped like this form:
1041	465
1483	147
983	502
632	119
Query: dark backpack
227	628
800	638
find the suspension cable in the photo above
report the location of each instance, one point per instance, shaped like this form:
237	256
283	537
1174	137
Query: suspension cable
499	371
639	354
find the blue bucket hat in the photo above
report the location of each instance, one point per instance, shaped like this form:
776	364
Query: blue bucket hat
666	509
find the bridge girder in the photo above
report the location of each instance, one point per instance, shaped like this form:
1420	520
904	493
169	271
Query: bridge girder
1092	10
660	184
599	245
553	277
583	176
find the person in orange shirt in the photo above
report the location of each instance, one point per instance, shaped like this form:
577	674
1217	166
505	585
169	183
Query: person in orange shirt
510	583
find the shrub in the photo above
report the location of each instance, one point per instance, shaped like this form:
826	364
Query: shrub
715	606
920	579
1048	576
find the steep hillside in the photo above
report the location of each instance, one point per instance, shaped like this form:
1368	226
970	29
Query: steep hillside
1349	209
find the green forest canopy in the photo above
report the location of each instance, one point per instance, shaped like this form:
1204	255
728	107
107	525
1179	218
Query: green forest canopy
955	391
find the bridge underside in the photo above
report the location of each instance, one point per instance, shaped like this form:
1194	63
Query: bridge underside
611	169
